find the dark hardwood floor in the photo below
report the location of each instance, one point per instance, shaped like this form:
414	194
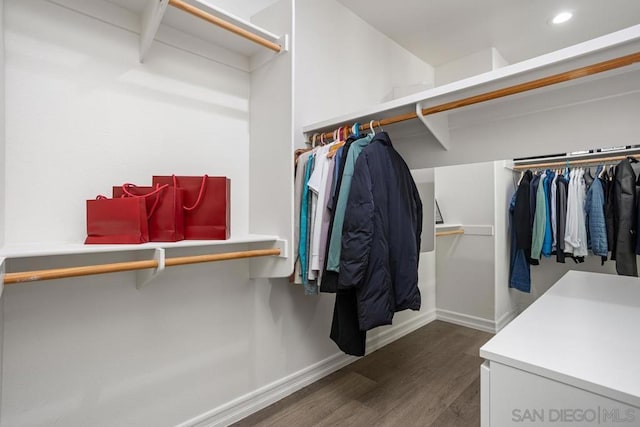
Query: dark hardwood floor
430	377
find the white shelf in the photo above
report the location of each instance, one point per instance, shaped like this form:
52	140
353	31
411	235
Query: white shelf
469	230
53	249
448	227
580	332
604	48
157	12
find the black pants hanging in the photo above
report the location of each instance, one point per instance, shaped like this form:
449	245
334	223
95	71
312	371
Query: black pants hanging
345	328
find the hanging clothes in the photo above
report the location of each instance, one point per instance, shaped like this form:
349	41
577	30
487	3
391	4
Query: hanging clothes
333	259
547	243
609	211
317	185
539	221
330	278
325	220
554	216
522	214
298	187
576	230
305	219
625	219
561	216
381	235
594	208
519	267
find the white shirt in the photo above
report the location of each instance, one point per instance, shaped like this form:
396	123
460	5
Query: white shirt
317	184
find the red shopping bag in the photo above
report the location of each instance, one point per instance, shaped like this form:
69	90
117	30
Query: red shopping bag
206	205
164	210
121	220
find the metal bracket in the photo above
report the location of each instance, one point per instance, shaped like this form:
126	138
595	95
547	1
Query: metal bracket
2	271
437	124
143	277
151	18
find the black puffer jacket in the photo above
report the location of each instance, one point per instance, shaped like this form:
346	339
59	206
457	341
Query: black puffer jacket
625	219
381	235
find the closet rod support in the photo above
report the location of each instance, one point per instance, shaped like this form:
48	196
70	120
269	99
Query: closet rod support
437	124
144	277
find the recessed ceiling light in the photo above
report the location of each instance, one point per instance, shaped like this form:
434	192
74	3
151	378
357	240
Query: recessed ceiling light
562	17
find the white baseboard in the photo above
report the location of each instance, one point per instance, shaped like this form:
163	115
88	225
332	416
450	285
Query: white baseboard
504	320
246	405
473	322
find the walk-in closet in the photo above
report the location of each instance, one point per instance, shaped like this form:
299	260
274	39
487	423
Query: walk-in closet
319	212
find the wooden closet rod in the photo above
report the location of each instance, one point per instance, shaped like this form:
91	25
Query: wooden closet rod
449	233
62	273
577	73
593	160
179	4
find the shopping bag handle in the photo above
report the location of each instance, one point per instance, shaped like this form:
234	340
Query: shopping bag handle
156	192
200	194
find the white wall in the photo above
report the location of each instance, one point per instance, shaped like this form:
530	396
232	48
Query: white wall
465	264
343	64
470	65
201	340
2	124
2	177
85	115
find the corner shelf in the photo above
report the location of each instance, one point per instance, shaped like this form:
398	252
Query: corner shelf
621	49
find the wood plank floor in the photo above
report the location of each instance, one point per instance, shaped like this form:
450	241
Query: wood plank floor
430	377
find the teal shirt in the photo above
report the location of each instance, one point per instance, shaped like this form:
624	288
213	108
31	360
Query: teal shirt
304	223
539	221
335	243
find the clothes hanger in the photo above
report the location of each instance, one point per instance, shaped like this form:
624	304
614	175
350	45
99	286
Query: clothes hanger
373	131
336	145
380	126
355	129
602	171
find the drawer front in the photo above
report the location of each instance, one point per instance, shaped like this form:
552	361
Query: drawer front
485	394
519	398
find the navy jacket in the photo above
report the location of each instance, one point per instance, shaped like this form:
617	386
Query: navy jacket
381	235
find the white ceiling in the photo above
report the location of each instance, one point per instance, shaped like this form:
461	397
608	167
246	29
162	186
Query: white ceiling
438	31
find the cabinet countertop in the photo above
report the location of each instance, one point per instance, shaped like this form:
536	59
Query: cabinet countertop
584	332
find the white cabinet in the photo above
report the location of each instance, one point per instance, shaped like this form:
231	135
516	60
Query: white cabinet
569	359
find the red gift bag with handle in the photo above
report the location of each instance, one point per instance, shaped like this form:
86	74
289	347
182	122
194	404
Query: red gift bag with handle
164	210
122	220
206	205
